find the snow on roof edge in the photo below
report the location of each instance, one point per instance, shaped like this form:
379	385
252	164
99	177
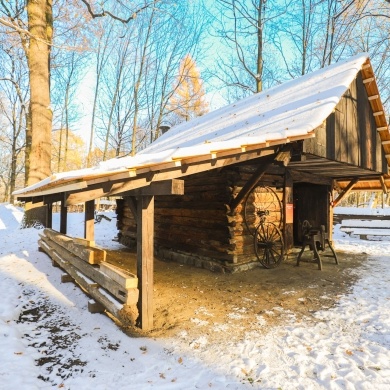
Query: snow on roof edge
293	108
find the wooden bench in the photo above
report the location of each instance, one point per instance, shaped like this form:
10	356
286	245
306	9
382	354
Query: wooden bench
366	228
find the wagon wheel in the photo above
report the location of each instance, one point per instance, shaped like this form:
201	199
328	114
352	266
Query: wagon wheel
269	246
262	200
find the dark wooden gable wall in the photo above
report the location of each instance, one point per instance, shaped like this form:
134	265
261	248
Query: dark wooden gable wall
349	134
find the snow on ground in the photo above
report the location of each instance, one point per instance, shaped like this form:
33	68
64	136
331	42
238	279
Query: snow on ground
48	339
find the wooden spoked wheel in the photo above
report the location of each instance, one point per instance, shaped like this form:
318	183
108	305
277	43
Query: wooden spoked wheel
269	245
262	201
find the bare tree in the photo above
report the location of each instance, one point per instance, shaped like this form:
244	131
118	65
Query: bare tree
190	24
242	25
294	36
33	21
14	110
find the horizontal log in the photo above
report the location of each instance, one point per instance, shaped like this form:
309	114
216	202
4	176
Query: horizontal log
193	205
122	277
193	213
166	239
83	241
190	222
129	233
165	187
119	292
195	232
125	313
223	255
92	255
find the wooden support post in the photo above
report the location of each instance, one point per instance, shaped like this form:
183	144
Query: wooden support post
330	216
288	212
145	233
49	215
89	220
63	215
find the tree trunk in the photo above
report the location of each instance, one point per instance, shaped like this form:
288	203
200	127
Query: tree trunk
40	26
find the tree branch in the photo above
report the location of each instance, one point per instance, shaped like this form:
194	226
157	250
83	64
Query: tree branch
104	13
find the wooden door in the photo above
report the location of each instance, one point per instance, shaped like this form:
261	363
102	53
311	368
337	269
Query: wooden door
311	203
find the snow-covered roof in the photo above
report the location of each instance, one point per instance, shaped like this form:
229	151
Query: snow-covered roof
286	112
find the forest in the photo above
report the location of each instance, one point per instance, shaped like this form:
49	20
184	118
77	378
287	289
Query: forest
82	81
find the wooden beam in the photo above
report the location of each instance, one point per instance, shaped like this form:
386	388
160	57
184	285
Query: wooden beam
145	239
346	191
52	198
89	220
288	212
383	185
95	192
373	97
383	128
63	215
301	176
284	156
97	188
49	215
166	187
252	182
78	185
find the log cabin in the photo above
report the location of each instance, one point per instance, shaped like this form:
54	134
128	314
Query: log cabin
193	195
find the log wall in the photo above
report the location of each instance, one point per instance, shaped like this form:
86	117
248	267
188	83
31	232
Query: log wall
198	228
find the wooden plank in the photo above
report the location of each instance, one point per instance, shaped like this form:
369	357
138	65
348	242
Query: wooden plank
54	189
119	292
166	187
186	170
145	239
83	241
121	276
368	232
367	223
309	177
87	195
91	255
89	220
115	188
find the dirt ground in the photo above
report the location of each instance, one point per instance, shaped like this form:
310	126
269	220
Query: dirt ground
220	306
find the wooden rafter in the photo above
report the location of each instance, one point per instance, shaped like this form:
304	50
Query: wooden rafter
283	157
383	185
346	191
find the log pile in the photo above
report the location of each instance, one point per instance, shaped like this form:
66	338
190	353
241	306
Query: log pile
198	228
115	289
